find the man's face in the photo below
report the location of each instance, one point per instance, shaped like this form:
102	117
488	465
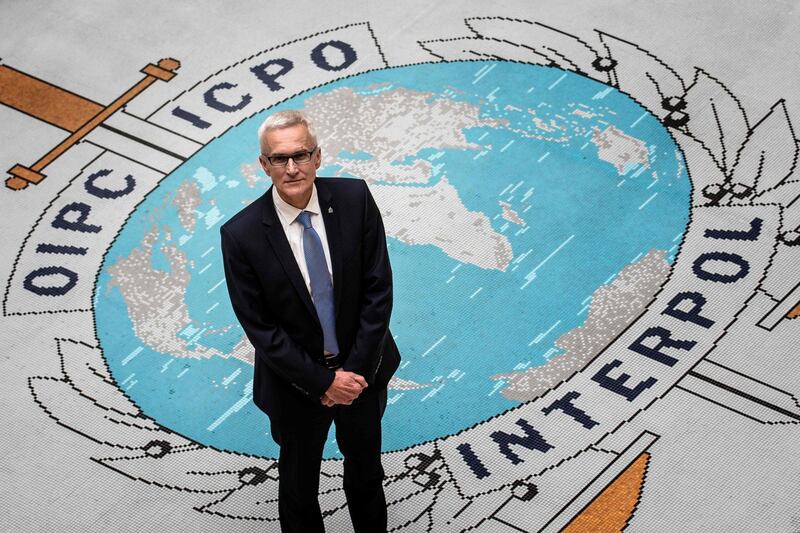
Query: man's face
294	182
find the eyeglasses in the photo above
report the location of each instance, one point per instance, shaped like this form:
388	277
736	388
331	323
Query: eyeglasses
298	158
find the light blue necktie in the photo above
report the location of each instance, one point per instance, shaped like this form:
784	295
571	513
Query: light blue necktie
321	285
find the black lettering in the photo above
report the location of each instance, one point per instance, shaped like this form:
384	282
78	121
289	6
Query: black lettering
269	78
47	248
348	55
699	267
664	341
211	100
50	290
472	460
532	440
565	404
102	192
191	118
618	384
689	315
737	235
79	224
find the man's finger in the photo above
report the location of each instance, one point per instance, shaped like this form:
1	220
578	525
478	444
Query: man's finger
349	396
355	378
358	380
345	396
353	387
340	397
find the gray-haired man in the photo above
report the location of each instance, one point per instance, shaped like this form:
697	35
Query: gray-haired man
309	278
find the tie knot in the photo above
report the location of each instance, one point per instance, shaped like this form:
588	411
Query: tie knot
305	219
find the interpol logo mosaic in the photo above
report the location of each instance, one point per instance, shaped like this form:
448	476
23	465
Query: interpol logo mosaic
572	226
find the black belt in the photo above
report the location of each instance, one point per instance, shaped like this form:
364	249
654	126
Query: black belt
332	360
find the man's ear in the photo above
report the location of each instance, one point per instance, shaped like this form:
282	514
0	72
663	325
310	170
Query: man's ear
318	162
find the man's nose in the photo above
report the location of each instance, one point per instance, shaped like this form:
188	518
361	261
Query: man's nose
291	167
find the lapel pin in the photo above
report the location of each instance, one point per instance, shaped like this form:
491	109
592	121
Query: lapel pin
330	210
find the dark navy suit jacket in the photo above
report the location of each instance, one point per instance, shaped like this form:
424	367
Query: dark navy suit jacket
272	303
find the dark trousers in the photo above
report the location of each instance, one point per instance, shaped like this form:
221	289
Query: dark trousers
358	433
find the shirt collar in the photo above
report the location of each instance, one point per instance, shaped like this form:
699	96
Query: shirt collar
289	212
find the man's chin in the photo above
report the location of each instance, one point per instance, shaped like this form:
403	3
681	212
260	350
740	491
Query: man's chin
295	193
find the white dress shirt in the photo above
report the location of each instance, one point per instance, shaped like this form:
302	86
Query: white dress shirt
294	230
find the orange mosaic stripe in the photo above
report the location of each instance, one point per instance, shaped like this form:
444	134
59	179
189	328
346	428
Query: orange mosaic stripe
612	509
21	175
45	101
794	313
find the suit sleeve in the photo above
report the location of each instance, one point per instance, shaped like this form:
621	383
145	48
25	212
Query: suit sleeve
376	301
273	345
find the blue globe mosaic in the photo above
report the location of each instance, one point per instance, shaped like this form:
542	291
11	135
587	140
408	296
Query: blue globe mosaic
511	195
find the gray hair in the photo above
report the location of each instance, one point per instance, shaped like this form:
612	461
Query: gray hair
284	119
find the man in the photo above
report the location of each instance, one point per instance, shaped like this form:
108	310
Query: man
309	279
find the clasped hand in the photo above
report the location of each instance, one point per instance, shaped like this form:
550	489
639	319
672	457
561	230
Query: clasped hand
346	387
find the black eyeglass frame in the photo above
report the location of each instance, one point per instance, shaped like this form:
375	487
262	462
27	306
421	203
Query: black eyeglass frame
303	154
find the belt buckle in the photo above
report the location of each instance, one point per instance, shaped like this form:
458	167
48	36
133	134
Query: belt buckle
331	360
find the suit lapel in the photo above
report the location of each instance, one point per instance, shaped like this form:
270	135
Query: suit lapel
334	231
280	245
